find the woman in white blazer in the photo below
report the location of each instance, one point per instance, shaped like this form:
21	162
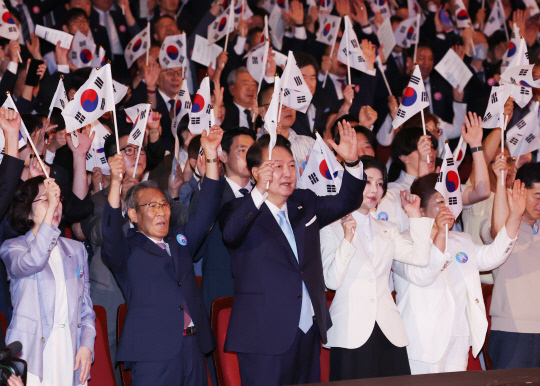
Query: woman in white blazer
442	304
367	337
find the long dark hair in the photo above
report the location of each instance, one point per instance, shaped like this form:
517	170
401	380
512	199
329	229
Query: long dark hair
21	205
371	162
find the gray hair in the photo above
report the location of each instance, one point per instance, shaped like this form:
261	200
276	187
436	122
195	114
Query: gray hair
133	192
233	75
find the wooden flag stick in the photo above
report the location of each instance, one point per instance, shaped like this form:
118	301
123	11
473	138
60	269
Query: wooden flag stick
503	129
35	150
348	56
228	28
424	127
379	63
148	50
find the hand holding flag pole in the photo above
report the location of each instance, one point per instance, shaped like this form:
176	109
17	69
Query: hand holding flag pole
331	54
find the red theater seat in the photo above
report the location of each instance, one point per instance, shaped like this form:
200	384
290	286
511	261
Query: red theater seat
102	373
121	317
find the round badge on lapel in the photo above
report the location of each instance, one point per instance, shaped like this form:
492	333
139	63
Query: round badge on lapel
36	9
383	216
182	240
462	258
535	228
122	28
80	271
437	96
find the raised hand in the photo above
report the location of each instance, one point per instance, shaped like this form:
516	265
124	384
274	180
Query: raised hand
270	64
52	192
424	147
347	148
33	46
370	53
61	54
97	179
151	75
36	170
10	122
443	219
118	168
348	97
367	116
343	7
211	141
509	108
176	182
296	12
349	226
392	106
500	168
474	132
264	175
411	204
359	13
517	199
14	50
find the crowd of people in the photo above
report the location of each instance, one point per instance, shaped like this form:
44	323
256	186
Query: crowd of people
89	217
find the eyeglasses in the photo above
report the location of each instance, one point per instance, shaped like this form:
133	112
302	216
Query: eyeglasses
80	21
45	199
131	150
171	73
509	160
155	206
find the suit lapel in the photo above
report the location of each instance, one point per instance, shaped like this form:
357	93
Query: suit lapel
145	243
173	247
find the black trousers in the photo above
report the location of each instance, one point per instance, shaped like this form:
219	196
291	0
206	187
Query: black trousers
298	365
513	350
378	357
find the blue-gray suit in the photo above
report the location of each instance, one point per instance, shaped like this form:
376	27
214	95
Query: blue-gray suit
32	288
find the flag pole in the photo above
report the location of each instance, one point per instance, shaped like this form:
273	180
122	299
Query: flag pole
137	161
148	50
228	28
380	65
348	61
111	95
417	35
482	22
96	165
424	128
502	144
331	54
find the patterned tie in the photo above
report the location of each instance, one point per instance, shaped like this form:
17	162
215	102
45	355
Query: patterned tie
244	191
24	23
187	318
306	318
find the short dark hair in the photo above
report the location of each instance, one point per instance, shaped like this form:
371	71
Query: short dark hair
396	19
21	205
334	130
132	195
404	143
157	20
32	122
194	147
424	187
369	162
263	94
304	59
74	13
254	156
230	135
182	126
110	143
372	139
529	174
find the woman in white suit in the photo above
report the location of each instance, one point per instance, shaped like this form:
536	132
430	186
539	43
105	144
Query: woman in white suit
444	311
53	316
367	337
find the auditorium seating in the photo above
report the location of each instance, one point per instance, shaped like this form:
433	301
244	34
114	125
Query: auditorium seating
487	291
102	373
120	318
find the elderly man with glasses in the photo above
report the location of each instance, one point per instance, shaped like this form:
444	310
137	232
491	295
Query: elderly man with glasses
167	330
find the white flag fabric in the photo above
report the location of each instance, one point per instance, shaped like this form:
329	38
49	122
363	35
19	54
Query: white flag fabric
199	118
182	106
8	28
296	94
519	75
138	46
462	16
406	33
493	116
271	116
60	98
96	155
82	51
448	183
324	5
119	90
382	7
91	101
513	47
328	28
496	19
99	59
459	153
133	112
256	60
533	6
221	26
10	105
136	136
413	7
356	56
241	10
323	173
173	52
524	137
414	99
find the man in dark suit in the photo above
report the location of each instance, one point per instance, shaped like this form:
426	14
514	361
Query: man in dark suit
243	89
167	330
280	314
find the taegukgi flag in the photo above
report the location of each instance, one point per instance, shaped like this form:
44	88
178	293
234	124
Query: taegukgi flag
173	52
448	183
138	46
200	109
414	99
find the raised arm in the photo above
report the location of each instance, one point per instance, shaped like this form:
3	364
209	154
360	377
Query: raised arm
500	211
472	134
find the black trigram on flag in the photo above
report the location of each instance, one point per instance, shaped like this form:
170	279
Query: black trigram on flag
530	138
452	200
102	104
208	109
166	61
298	80
354	43
103	161
82	43
88	156
361	59
195	121
520	124
512	80
254	60
187	105
491	19
523	72
439	178
74	55
179	43
494	98
401	113
181	93
12	29
313	178
424	96
142	114
286	92
80	117
63	104
514	141
181	60
487	117
450	161
136	134
403	29
331	188
301	99
524	91
527	54
415	79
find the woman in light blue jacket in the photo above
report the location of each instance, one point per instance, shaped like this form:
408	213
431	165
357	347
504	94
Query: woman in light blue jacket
53	316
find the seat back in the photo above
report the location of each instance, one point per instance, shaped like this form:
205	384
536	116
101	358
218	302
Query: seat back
101	372
487	292
120	318
3	322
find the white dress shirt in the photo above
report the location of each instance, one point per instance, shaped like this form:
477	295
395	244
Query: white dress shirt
427	86
236	188
337	84
243	119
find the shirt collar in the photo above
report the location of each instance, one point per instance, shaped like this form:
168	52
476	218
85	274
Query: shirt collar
241	108
274	209
235	187
165	98
335	78
100	12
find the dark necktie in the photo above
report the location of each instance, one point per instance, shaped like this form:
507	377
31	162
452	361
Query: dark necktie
187	318
343	83
171	104
24	23
248	114
244	191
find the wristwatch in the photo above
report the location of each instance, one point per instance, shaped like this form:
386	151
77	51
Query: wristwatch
352	164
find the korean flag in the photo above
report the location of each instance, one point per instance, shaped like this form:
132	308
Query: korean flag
414	99
448	183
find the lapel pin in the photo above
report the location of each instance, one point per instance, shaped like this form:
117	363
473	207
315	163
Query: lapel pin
182	240
300	207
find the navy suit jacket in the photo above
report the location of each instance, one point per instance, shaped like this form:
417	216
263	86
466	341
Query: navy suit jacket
267	277
301	124
156	285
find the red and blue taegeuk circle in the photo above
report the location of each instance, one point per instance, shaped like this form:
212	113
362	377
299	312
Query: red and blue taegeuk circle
460	155
463	14
511	49
281	3
524	84
409	97
325	3
238	10
222	24
7	18
325	172
100	150
452	181
89	100
172	52
178	107
380	3
198	104
103	61
410	32
85	55
137	45
326	29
